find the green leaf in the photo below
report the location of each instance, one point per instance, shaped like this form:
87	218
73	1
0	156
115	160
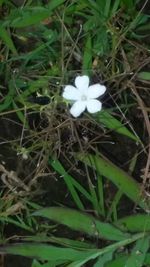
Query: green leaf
5	36
54	4
87	56
9	97
117	262
107	8
33	86
20	115
144	75
45	252
63	255
81	222
115	7
106	250
102	260
128	3
138	254
65	242
74	186
29	16
135	223
112	211
121	260
71	183
112	123
21	224
120	178
32	15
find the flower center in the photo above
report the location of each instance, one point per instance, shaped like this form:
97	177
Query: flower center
83	98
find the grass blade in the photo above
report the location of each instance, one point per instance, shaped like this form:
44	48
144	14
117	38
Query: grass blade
106	250
144	75
59	255
27	17
119	177
33	87
20	115
112	123
135	223
87	56
71	183
4	35
95	201
138	253
81	222
121	260
107	8
65	242
59	168
102	260
113	206
32	15
47	252
115	7
101	194
8	98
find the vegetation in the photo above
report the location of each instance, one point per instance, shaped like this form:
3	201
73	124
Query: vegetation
74	191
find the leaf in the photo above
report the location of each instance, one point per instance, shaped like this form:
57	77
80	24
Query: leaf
20	115
121	260
128	3
106	250
33	86
107	8
134	223
81	222
112	211
119	177
65	242
33	15
9	97
71	183
63	255
73	186
144	75
101	45
115	7
112	123
21	224
47	252
138	254
102	260
54	4
29	16
117	262
5	36
87	56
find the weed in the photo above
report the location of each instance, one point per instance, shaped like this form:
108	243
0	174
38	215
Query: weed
75	190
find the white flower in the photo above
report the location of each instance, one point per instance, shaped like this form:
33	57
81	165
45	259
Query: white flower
84	96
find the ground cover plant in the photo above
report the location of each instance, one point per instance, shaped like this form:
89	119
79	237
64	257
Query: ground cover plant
74	133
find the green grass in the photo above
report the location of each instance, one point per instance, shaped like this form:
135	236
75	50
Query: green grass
95	206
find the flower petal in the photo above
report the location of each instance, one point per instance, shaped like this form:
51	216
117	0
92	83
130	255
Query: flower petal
77	108
82	83
96	90
71	93
94	105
